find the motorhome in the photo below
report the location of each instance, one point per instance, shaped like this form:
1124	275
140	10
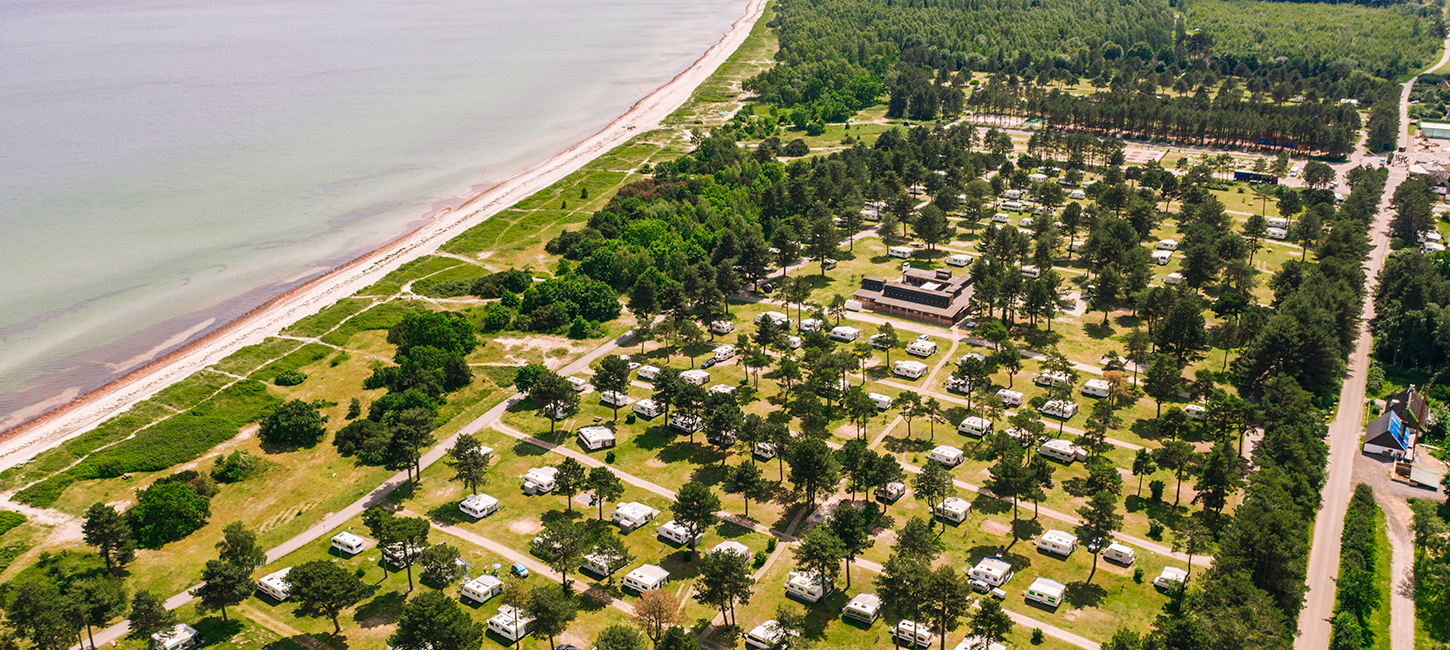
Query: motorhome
1012	206
1173	279
779	319
732	546
349	543
764	450
1277	233
275	584
1170	578
1037	178
596	438
649	372
794	342
882	402
478	506
646	578
539	480
721	389
947	455
1161	258
1026	223
1022	436
1051	378
767	635
978	643
604	564
511	623
1012	194
1045	591
957	385
991	571
953	509
1077	195
675	532
909	369
1097	388
811	325
1030	271
845	333
975	426
180	637
685	423
1002	217
482	588
1277	222
865	608
1120	553
633	514
613	398
1060	408
1010	397
809	586
648	408
921	348
1062	451
579	383
724	353
1195	411
695	376
891	492
1056	541
559	411
878	341
959	259
1167	245
722	327
903	252
910	632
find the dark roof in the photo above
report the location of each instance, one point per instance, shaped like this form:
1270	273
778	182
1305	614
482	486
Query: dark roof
1377	433
1405	398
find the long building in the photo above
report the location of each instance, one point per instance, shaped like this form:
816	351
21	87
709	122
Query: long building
936	297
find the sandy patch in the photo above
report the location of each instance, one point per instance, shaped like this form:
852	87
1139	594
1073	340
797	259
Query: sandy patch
64	528
996	527
655	462
556	349
526	526
1071	614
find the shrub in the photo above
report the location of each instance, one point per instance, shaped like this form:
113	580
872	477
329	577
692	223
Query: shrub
1155	529
354	409
609	457
1155	489
166	512
10	520
240	465
290	378
760	558
1138	575
1038	637
796	148
770	545
295	423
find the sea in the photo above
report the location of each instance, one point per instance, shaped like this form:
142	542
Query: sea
168	165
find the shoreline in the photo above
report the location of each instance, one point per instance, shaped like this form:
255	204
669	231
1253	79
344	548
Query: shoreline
61	423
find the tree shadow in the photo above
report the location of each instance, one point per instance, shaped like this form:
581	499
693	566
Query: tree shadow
381	611
1097	330
213	630
1027	529
682	564
1018	561
1084	594
527	449
991	506
822	614
448	513
595	598
897	445
712	474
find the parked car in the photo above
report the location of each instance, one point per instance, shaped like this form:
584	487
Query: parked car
519	570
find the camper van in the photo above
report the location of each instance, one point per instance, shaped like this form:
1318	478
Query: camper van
1077	195
1161	258
647	577
510	623
1047	592
579	383
1057	541
811	325
975	426
903	252
992	572
1277	222
845	333
1012	194
613	398
1195	411
891	492
1096	388
695	376
732	546
958	260
1010	397
882	402
478	506
1062	451
978	643
910	633
1030	271
921	348
1167	245
1170	578
794	342
633	514
1012	206
864	608
1120	553
276	585
648	408
349	543
722	327
179	637
649	372
807	585
685	423
764	450
1002	217
780	320
482	588
721	389
947	455
909	369
1173	279
1277	233
724	353
953	509
559	412
1051	378
539	480
676	533
767	635
957	385
1060	408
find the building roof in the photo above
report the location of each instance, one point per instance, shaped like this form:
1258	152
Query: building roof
1382	432
1434	125
649	574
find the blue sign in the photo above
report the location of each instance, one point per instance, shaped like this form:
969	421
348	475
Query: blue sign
1397	429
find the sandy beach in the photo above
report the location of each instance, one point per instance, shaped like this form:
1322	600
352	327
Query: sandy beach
86	411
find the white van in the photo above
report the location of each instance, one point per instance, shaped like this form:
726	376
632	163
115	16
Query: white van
864	608
1060	408
881	401
1002	217
1030	271
646	578
958	260
478	506
722	327
1047	592
539	480
1096	388
911	633
991	571
1173	279
1077	195
1120	553
794	342
613	398
845	333
179	637
482	588
780	320
685	422
510	623
1010	397
633	514
890	492
1276	222
732	546
1161	258
921	348
648	408
947	455
695	376
767	635
909	369
1170	578
1012	206
1195	411
952	509
975	426
1167	245
903	252
724	353
1277	233
1062	451
721	389
579	383
276	585
1056	541
648	372
811	325
676	533
807	585
1051	378
349	543
1012	194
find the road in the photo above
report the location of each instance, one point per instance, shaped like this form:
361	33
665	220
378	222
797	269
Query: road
1344	438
